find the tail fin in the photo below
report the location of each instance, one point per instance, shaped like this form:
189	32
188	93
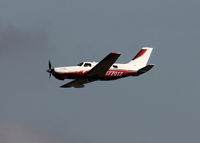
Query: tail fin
141	59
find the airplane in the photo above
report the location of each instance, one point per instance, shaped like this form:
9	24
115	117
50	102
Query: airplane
104	70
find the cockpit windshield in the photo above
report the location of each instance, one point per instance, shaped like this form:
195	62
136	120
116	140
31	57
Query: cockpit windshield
87	65
80	64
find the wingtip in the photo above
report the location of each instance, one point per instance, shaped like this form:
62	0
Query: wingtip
116	53
63	86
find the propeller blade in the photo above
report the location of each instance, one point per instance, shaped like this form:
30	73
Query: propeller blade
49	75
49	64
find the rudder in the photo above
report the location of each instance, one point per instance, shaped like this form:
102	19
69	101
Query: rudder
141	59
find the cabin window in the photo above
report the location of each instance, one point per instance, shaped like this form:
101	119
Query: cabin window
114	66
80	64
87	65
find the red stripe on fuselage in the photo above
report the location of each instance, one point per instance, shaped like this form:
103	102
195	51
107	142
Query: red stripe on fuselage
110	74
118	73
72	75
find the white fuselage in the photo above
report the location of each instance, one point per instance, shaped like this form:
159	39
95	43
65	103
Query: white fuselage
73	72
82	68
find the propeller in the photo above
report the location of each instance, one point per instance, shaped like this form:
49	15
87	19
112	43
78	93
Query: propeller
50	70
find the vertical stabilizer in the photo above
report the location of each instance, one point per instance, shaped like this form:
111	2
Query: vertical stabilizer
141	59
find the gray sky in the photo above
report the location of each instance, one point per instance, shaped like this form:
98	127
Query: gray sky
159	106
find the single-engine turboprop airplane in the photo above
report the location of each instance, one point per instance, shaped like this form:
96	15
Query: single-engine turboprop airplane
106	69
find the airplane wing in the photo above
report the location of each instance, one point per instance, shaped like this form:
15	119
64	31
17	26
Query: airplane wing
77	83
97	71
103	66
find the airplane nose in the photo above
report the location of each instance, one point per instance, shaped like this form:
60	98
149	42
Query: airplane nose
50	71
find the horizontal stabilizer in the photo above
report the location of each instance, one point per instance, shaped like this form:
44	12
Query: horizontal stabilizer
144	70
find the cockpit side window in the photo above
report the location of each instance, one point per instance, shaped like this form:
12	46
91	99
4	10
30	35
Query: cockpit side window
114	66
87	65
80	64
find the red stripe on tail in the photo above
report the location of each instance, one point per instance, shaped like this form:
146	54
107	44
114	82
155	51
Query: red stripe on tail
140	54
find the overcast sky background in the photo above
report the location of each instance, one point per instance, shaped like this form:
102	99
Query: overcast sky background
159	106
